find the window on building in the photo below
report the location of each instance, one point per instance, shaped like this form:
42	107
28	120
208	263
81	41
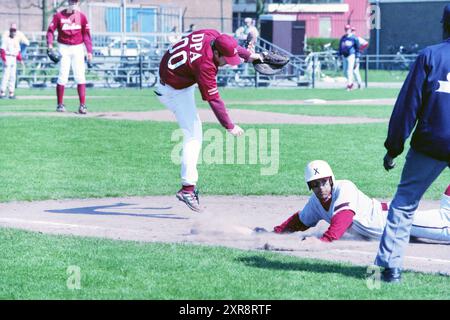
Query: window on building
325	27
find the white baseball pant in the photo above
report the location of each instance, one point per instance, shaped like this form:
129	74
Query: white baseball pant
71	56
427	224
182	104
357	74
348	65
9	74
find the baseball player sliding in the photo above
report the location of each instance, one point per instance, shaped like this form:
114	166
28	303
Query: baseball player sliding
345	207
73	32
195	59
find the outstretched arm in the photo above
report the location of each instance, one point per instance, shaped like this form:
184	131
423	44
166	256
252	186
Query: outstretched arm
292	224
247	55
340	223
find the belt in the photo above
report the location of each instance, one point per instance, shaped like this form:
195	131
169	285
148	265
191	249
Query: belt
11	55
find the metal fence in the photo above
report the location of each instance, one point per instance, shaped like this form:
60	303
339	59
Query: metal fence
132	60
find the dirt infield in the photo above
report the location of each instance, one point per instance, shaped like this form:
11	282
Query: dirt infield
385	101
361	102
207	116
226	221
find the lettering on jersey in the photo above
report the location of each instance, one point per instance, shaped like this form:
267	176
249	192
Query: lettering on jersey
67	24
180	58
197	44
444	86
348	43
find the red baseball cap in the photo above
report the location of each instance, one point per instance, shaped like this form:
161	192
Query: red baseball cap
227	47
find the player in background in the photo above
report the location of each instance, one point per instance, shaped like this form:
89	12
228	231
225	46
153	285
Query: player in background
422	108
73	34
363	45
23	40
247	35
345	207
349	52
195	59
10	54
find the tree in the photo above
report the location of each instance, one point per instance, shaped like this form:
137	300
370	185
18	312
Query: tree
260	7
48	8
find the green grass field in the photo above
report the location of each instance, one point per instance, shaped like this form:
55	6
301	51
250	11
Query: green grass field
57	158
35	266
48	158
375	75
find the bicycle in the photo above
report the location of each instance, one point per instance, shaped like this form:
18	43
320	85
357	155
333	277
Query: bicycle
329	59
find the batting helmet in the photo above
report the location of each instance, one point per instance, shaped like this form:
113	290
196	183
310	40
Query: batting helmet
318	169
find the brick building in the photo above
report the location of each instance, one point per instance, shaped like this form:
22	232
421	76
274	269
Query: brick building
142	15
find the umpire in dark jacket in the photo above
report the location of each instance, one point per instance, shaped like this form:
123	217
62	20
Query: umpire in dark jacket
424	102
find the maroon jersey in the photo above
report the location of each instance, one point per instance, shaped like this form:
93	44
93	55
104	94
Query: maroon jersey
190	61
73	28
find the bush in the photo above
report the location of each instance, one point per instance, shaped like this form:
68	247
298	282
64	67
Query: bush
316	44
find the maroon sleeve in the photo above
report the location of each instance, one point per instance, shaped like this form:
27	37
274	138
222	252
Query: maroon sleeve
447	192
86	31
205	75
292	224
221	113
340	222
243	53
51	29
19	57
3	54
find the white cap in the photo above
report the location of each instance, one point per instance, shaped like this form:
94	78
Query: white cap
318	169
248	19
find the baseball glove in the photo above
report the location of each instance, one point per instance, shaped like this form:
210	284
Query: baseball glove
53	55
271	64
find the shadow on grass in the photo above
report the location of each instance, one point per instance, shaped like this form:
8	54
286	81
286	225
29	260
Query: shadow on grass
317	267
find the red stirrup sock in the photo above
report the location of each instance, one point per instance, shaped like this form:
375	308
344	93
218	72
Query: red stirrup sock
82	93
60	93
189	189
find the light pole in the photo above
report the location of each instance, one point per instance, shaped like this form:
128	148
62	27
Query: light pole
124	25
377	28
221	16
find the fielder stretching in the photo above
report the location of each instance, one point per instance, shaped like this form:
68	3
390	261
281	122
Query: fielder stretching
345	207
195	60
73	32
